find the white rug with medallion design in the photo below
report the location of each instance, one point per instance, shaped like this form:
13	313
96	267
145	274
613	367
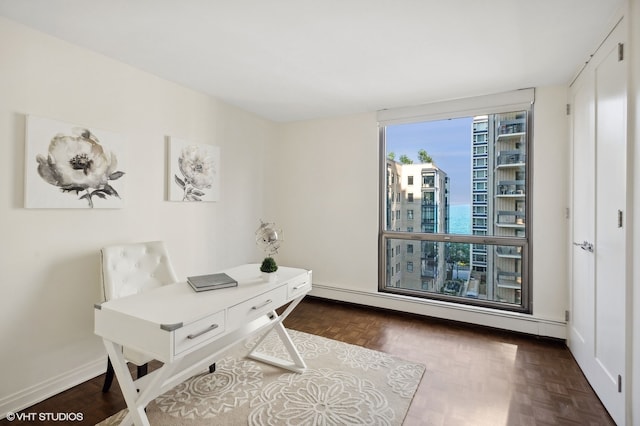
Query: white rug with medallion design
343	385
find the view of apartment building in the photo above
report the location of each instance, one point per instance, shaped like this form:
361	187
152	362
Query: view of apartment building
498	204
417	201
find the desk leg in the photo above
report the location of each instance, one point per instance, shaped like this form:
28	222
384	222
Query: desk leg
136	413
298	365
291	347
136	401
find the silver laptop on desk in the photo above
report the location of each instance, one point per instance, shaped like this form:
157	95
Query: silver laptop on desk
211	281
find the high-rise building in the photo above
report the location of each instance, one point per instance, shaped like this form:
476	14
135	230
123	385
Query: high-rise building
417	201
498	203
481	207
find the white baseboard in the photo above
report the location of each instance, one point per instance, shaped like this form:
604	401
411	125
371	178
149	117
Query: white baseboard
37	393
512	321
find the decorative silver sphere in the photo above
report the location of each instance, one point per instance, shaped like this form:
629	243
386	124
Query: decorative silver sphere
268	238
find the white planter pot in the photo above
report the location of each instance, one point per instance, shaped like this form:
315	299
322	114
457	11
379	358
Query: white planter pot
268	276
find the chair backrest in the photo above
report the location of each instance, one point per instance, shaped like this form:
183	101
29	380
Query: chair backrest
133	268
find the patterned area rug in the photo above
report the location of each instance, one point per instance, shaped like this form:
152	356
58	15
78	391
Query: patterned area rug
343	385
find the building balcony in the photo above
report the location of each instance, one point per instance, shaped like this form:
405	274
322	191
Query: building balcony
510	127
510	219
510	189
513	128
511	137
509	280
510	159
509	252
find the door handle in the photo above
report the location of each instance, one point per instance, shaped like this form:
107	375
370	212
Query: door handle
585	245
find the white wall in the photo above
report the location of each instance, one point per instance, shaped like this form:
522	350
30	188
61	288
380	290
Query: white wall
322	178
326	175
49	258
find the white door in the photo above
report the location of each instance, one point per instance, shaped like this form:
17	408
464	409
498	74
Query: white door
582	297
597	326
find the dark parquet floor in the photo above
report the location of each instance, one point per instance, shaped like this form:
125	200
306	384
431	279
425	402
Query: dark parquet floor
474	376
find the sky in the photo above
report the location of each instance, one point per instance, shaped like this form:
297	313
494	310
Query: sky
448	142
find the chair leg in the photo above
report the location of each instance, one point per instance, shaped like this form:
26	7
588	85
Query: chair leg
143	370
212	368
108	378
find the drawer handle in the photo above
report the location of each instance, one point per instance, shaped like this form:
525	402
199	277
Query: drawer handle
255	308
298	287
200	333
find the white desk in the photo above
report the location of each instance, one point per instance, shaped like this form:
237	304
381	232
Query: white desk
188	331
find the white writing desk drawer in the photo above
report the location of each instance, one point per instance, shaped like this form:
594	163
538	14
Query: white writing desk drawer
198	332
299	285
255	307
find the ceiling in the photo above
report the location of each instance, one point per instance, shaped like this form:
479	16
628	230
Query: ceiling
289	60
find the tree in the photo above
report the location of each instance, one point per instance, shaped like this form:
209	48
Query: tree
391	156
457	255
424	157
405	160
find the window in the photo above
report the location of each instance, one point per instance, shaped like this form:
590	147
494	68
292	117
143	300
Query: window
472	244
480	186
479	199
479	162
479	150
480	174
479	222
481	126
428	197
479	210
480	138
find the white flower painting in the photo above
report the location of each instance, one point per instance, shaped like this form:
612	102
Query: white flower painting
194	171
71	166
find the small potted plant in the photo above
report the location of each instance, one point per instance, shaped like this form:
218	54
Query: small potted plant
268	267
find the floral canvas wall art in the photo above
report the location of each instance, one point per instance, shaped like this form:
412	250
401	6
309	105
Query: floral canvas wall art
71	166
194	171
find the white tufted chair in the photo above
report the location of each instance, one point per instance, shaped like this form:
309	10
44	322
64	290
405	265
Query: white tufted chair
129	269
